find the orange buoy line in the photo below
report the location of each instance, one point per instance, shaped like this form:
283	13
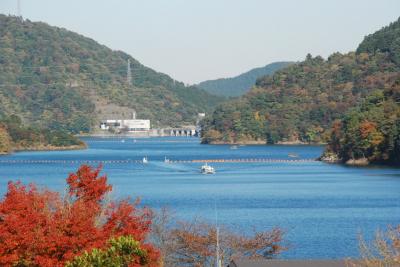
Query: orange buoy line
70	161
243	160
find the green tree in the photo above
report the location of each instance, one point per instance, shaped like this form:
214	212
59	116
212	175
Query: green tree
123	251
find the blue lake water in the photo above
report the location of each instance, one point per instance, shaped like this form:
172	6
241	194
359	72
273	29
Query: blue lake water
322	207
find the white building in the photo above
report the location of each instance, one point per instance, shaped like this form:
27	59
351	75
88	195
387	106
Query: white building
132	125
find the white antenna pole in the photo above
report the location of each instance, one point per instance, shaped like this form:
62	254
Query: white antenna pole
19	8
218	261
128	73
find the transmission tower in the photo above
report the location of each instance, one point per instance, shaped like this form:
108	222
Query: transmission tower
128	73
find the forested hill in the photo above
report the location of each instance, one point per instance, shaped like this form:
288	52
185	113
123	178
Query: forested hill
370	132
239	85
16	136
56	79
299	103
386	40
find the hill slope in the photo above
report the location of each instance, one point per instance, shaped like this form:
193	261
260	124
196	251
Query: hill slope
370	132
299	103
15	136
239	85
386	40
53	78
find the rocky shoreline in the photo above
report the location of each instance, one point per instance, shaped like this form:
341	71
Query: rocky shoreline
330	157
358	162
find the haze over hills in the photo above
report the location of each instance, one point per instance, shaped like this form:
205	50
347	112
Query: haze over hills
239	85
57	79
299	103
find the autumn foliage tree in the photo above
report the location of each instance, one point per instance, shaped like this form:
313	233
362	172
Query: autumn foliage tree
43	228
5	144
370	130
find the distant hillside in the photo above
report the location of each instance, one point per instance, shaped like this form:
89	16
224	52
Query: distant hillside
300	103
239	85
55	79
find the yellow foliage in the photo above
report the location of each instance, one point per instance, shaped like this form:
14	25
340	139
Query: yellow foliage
5	140
377	138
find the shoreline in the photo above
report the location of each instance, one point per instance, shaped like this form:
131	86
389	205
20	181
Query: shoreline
115	135
45	148
283	143
332	158
236	143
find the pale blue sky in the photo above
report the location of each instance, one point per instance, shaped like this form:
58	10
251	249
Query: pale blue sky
195	40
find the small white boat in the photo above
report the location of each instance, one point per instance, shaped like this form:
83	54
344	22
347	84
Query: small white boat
293	155
145	160
234	147
166	160
207	169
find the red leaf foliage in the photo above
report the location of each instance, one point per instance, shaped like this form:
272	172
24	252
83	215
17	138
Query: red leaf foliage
40	228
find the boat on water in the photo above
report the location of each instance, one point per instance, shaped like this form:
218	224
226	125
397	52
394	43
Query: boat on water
207	169
145	160
293	155
166	160
234	147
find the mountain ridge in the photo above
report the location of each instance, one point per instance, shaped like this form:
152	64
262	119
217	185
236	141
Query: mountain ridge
240	84
301	103
54	78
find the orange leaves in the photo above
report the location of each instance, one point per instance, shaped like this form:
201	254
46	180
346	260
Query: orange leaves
85	184
366	128
39	228
125	219
25	221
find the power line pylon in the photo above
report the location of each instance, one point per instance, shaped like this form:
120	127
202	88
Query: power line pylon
128	73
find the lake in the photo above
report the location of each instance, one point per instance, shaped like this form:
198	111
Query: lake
322	207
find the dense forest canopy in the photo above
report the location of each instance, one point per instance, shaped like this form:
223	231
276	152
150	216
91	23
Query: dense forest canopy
56	79
386	40
239	85
371	130
299	103
16	136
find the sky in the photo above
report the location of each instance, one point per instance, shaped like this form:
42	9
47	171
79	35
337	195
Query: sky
197	40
